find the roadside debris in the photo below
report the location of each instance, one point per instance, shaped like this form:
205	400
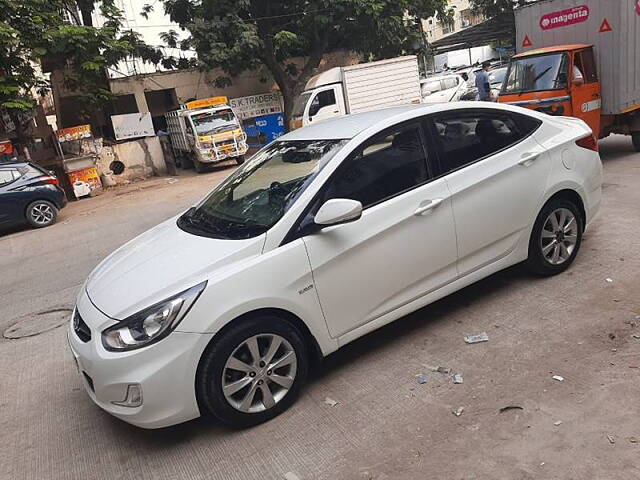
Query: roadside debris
558	378
636	335
481	337
558	423
421	378
457	378
633	439
511	407
291	476
331	402
172	180
458	411
612	336
438	369
611	439
608	280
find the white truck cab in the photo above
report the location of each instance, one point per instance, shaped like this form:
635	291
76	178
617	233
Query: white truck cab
357	88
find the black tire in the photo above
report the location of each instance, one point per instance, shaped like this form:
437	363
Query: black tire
211	398
200	167
537	263
41	213
240	160
635	139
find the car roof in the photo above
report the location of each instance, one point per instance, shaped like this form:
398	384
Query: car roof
555	48
348	126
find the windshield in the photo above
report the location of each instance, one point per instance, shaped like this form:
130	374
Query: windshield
259	193
300	103
542	72
212	122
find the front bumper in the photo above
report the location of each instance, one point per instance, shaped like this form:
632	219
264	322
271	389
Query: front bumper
165	372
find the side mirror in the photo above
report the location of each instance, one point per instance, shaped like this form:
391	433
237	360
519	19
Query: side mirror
337	211
578	82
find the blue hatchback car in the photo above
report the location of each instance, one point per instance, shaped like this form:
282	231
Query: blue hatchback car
29	194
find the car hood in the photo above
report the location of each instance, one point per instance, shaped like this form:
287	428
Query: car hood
159	263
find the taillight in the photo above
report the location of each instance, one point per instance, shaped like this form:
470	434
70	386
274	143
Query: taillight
49	180
590	143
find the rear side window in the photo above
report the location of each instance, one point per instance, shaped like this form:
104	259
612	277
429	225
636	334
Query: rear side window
464	136
387	165
8	175
449	83
431	87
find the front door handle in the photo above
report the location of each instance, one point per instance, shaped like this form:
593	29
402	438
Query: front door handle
528	158
427	206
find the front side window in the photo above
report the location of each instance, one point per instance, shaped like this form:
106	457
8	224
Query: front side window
259	193
322	99
387	165
584	66
538	73
209	123
467	136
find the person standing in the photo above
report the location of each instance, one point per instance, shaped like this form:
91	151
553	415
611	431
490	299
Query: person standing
482	82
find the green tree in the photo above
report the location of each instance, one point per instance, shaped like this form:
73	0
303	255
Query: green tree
237	35
32	30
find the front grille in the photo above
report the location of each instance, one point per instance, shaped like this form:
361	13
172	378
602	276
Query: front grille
82	329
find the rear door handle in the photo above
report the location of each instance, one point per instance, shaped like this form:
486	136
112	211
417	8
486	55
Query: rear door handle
427	206
528	158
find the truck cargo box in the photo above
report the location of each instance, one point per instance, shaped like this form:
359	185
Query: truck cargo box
374	85
612	26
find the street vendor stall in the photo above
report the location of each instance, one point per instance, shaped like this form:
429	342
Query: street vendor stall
79	153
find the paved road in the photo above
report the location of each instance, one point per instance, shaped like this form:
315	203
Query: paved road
385	425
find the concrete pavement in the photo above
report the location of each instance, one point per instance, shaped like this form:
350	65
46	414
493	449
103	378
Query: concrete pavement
386	425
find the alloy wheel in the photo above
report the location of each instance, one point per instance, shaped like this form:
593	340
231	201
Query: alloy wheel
42	214
259	373
559	236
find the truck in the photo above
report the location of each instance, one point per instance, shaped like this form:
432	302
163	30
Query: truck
204	132
357	88
579	58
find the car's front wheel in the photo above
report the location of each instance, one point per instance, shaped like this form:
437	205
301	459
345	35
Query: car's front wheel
41	213
556	237
252	372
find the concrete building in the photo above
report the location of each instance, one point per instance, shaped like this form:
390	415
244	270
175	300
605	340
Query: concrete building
150	29
463	17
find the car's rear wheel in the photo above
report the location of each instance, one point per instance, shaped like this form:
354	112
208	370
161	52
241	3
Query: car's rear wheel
252	372
556	237
41	213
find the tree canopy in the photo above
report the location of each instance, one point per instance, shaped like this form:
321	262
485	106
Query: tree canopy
237	35
61	32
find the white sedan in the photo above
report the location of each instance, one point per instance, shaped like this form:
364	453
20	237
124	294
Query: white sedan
326	234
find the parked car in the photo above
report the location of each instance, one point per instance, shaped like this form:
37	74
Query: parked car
29	194
496	77
326	234
444	88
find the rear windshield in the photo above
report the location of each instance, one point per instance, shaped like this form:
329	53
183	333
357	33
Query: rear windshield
542	72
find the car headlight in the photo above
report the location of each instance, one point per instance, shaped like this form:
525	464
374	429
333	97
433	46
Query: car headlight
151	324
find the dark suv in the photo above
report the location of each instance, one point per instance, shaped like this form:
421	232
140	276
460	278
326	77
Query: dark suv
29	193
